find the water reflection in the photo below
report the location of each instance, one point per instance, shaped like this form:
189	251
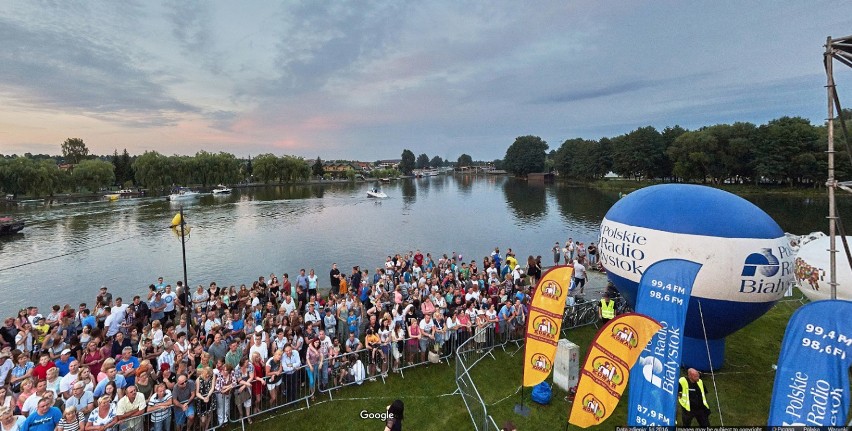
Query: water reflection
409	191
528	200
464	184
582	203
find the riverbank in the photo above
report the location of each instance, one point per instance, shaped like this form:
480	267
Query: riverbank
627	186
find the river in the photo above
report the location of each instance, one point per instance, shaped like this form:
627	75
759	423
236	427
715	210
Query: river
67	252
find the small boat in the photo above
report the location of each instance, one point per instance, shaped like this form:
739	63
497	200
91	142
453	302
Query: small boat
385	180
184	194
9	226
221	190
113	196
376	193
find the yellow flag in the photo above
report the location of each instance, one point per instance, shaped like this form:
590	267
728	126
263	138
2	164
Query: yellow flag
604	375
544	323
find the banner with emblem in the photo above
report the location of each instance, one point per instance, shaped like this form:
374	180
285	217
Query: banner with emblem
812	381
664	292
544	323
604	376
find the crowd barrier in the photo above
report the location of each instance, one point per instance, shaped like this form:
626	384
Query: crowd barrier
364	366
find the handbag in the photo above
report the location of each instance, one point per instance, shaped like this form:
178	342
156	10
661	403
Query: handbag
243	395
434	357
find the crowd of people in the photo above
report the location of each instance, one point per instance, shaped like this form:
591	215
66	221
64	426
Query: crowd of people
195	357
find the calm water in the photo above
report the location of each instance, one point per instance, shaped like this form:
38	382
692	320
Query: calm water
126	244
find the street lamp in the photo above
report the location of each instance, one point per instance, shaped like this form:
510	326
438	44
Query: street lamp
179	227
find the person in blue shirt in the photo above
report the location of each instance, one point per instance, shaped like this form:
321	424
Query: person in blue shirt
127	365
65	358
112	376
495	256
45	418
505	316
86	319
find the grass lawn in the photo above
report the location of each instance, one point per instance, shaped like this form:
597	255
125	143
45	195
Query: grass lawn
744	386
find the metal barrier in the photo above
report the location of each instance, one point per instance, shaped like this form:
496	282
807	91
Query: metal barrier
354	368
467	356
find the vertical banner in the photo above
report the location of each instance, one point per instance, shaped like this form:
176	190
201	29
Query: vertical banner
604	376
544	323
663	295
812	382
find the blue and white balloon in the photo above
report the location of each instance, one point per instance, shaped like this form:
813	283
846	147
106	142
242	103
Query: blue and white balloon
747	262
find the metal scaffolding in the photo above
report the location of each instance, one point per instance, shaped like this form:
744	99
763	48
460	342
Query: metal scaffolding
839	49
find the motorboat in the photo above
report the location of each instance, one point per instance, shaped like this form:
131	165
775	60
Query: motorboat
221	190
184	194
113	196
10	226
376	193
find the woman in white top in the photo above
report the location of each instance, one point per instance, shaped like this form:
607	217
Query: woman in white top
9	421
103	417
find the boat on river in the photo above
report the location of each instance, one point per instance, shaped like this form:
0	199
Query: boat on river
376	193
184	194
10	226
221	190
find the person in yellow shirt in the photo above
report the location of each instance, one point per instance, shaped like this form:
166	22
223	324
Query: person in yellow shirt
41	329
373	343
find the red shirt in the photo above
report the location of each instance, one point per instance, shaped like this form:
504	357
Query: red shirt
40	371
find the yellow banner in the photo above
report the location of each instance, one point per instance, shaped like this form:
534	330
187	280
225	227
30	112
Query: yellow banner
604	375
544	323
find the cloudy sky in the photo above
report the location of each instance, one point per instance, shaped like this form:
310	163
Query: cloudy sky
365	79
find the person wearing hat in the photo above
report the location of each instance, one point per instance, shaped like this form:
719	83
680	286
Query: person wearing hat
64	360
104	296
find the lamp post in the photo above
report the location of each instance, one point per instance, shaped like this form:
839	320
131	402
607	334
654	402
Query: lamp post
179	222
183	247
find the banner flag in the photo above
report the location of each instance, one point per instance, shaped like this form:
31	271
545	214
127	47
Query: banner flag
812	382
663	295
604	376
544	323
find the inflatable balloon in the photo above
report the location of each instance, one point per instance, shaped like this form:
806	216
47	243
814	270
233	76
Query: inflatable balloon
812	266
747	262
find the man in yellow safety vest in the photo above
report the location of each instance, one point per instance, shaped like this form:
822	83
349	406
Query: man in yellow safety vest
607	309
693	399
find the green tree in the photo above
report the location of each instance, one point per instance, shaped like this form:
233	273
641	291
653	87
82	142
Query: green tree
151	170
317	169
779	145
526	155
407	163
436	162
74	150
93	174
582	159
422	161
464	160
266	167
640	154
694	155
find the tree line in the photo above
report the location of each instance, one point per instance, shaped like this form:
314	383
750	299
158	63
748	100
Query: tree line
786	150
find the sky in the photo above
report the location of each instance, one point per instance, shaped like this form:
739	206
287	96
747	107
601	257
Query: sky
363	80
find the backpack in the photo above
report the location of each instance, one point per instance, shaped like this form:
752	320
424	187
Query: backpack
542	393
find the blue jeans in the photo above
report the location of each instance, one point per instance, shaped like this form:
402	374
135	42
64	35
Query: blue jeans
165	425
324	372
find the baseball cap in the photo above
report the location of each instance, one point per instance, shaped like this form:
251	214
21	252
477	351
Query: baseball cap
66	352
